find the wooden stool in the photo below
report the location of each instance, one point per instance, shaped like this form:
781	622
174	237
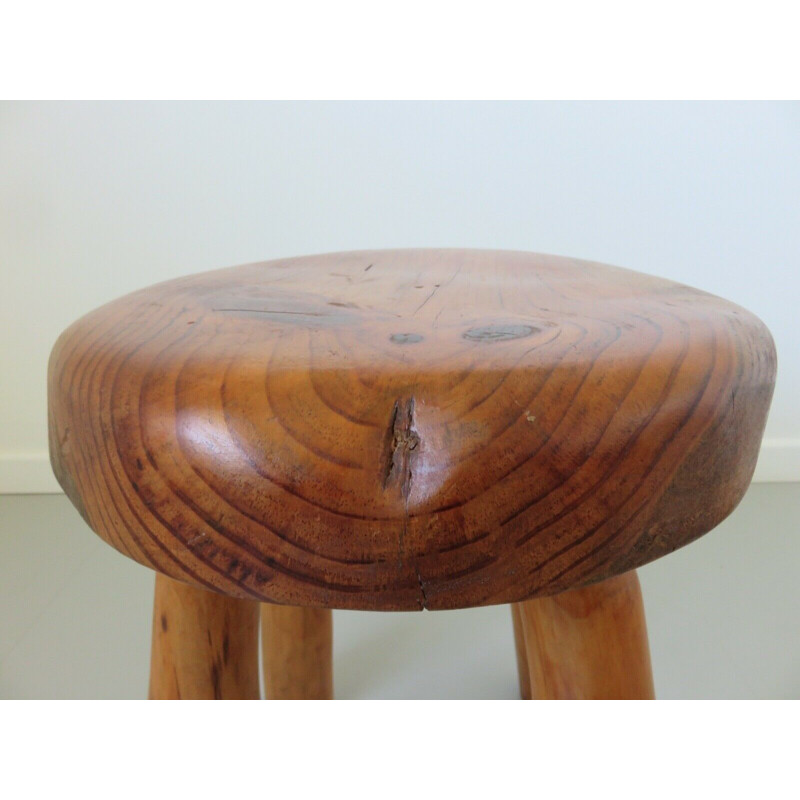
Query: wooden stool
410	429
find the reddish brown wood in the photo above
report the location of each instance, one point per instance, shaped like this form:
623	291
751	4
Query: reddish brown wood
589	643
205	645
297	645
408	429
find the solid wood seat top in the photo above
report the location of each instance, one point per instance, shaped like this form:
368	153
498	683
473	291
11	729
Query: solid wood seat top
407	429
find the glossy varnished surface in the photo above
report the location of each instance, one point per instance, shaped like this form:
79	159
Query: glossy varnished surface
408	429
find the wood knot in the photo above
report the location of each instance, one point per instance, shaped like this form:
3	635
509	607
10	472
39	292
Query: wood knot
499	333
405	338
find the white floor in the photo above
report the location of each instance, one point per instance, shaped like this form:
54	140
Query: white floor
723	616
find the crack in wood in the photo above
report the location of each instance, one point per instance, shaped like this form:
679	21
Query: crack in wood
404	442
403	446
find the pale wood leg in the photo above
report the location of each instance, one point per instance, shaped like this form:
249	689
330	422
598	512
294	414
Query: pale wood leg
589	643
297	646
205	645
522	656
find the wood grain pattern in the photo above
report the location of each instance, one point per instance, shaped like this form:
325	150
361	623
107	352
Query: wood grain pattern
297	645
589	643
205	645
408	429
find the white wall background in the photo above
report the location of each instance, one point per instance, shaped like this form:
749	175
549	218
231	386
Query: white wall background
98	199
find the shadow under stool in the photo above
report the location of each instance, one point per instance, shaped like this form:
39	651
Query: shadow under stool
405	429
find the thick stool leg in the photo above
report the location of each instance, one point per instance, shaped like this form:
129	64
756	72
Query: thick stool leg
522	656
205	645
297	647
589	643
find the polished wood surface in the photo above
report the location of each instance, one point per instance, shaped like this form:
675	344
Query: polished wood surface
589	643
408	429
205	645
297	645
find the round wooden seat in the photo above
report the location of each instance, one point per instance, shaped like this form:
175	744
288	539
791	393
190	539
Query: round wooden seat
408	429
404	430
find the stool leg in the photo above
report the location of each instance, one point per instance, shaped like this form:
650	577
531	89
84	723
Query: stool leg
297	646
522	656
589	643
205	645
